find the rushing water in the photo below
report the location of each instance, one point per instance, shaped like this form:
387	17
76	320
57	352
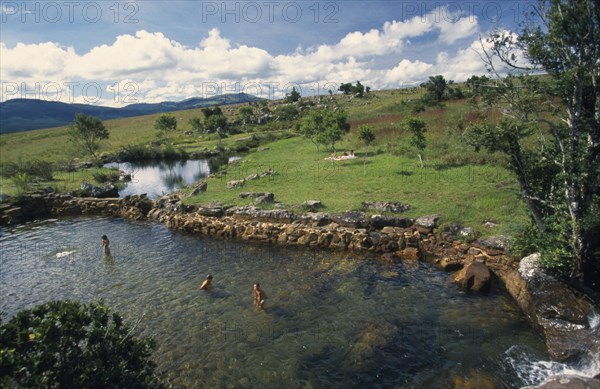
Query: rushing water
330	320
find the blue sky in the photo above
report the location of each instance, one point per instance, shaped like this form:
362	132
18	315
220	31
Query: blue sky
119	52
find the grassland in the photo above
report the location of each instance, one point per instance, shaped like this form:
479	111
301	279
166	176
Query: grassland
461	185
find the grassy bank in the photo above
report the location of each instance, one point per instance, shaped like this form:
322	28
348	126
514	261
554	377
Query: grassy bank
461	185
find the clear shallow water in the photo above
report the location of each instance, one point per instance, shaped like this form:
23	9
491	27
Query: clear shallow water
331	320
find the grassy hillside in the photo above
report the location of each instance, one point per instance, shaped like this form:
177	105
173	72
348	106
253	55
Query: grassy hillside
456	182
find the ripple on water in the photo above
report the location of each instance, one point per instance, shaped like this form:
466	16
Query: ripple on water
330	319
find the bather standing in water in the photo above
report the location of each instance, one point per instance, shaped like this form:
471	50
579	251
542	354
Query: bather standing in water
259	296
105	243
207	284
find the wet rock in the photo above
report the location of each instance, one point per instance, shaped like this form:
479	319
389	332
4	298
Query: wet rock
386	206
351	219
568	382
450	265
409	254
474	277
376	335
554	310
390	258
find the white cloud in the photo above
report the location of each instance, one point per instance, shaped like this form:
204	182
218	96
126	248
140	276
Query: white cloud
164	69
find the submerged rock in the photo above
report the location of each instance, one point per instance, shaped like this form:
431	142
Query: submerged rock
375	335
568	382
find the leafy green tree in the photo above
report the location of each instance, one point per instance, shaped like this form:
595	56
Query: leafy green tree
293	96
324	127
366	134
551	130
165	124
87	131
436	87
286	112
417	128
208	112
345	88
196	124
215	122
245	114
70	345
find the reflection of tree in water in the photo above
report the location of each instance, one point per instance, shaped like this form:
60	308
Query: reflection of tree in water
169	176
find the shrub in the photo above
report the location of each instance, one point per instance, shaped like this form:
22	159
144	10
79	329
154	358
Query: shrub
67	344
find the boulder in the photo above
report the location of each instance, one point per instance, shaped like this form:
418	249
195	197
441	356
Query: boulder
352	219
427	221
474	277
409	254
386	206
312	205
235	184
554	310
200	187
315	218
389	258
374	336
264	198
381	221
102	191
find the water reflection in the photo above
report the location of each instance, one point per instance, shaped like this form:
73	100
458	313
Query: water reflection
158	178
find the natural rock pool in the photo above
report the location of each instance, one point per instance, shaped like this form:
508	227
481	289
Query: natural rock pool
330	320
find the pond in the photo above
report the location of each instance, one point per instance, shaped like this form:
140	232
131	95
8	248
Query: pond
164	177
330	319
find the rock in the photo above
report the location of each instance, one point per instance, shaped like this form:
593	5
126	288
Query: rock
386	206
409	254
474	277
255	213
450	265
200	187
569	382
427	221
375	335
315	218
312	205
235	184
390	258
102	191
351	219
265	198
499	242
210	211
4	197
380	221
253	176
554	310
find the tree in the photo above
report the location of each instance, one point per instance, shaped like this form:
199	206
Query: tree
436	87
365	134
216	110
215	122
559	176
417	127
245	114
345	88
87	131
196	124
165	124
293	96
324	127
67	344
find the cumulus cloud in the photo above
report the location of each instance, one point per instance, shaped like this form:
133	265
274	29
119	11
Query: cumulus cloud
151	67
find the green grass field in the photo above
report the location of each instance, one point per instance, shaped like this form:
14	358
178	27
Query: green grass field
461	185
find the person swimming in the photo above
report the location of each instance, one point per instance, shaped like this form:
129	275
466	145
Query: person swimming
207	284
259	296
105	244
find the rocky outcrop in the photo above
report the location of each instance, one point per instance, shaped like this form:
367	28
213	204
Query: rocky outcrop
556	312
103	191
474	277
385	206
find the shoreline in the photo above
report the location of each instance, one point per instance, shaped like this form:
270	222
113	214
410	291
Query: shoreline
393	239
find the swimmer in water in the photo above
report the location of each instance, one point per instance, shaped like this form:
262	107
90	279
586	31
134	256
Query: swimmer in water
105	243
207	284
259	296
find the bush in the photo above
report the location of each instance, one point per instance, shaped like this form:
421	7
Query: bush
67	344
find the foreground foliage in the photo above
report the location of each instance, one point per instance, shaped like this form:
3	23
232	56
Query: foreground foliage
67	344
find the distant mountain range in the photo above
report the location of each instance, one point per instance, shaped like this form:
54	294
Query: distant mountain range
29	114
